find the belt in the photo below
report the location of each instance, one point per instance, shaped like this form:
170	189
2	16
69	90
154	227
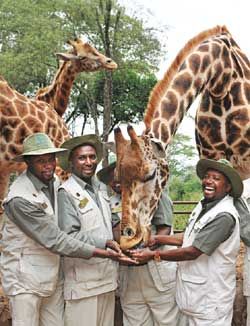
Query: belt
138	265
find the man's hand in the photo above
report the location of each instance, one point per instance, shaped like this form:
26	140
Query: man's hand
114	246
142	255
126	260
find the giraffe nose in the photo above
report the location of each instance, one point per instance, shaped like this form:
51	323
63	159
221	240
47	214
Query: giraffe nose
128	232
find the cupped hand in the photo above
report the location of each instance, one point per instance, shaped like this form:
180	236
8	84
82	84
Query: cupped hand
112	244
142	255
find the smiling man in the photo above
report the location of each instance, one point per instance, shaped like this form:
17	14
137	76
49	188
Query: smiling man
206	272
89	286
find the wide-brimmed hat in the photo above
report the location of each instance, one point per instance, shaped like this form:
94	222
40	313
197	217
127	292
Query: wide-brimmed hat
105	175
72	143
37	144
225	168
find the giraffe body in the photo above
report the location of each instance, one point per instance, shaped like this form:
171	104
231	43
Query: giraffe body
213	66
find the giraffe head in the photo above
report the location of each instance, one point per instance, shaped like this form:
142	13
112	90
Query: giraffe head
86	58
142	171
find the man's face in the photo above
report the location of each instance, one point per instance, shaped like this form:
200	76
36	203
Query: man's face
84	161
215	185
42	166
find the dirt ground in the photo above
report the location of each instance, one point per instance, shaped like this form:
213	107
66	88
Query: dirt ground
239	318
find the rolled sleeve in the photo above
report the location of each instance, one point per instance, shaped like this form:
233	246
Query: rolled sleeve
214	233
39	226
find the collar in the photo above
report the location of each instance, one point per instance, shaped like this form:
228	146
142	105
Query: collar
95	184
209	204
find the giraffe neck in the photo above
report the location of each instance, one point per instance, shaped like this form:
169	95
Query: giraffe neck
57	94
202	65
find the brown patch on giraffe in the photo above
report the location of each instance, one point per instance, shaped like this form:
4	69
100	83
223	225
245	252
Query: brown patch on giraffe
218	70
13	122
155	128
221	147
216	49
164	133
133	204
202	140
242	147
217	109
169	106
203	48
194	63
205	102
8	110
41	116
13	150
22	107
205	63
222	84
198	84
226	58
227	102
182	83
21	134
246	88
7	92
236	94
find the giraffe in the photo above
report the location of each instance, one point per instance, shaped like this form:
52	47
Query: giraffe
21	116
82	58
213	66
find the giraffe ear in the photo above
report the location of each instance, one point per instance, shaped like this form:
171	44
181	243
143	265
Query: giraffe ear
67	56
158	149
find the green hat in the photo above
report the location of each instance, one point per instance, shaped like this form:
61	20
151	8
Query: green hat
104	175
37	144
225	168
72	143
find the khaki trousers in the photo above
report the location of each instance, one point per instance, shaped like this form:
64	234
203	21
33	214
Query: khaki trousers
33	310
142	303
93	311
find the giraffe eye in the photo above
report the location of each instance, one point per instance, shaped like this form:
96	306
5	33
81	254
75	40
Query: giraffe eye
150	177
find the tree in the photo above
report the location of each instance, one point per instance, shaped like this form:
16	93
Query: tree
32	31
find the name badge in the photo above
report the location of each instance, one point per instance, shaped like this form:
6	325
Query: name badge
83	202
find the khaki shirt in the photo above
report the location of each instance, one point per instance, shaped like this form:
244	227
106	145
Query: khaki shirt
34	222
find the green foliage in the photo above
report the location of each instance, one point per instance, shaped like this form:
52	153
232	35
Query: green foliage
31	31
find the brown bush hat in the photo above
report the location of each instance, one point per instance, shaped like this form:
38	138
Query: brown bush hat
74	142
225	168
38	144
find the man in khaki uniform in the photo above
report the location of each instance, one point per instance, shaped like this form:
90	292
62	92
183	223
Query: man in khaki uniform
206	280
147	290
32	241
89	286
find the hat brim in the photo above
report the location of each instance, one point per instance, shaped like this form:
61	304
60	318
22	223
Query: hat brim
20	158
104	174
72	143
234	178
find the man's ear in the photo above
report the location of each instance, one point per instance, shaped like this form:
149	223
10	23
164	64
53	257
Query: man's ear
228	187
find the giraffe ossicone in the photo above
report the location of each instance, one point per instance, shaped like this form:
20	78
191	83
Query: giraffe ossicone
210	65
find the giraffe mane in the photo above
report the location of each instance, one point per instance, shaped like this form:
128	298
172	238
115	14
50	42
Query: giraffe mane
47	89
159	89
